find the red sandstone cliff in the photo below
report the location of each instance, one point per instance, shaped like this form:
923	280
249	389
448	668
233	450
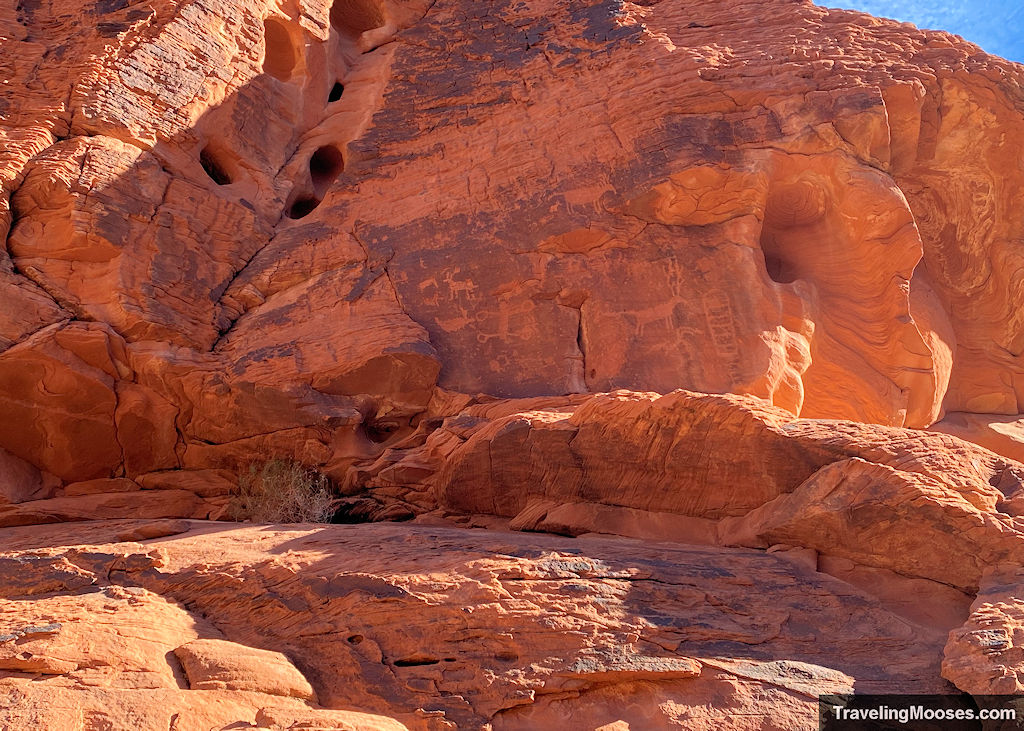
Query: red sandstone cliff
483	264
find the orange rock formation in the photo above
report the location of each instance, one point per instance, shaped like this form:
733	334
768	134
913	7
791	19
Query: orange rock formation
735	286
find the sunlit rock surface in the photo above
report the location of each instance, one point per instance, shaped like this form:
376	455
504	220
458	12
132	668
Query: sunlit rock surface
736	286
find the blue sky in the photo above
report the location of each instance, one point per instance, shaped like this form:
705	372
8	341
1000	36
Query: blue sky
995	25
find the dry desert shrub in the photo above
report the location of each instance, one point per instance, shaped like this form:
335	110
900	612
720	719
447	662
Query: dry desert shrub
283	491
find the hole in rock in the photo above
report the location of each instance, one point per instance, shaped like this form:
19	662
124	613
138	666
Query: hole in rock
325	165
355	639
336	91
356	16
380	432
354	510
779	268
279	60
794	214
214	167
303	206
410	662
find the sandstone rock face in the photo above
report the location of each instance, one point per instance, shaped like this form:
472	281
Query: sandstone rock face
1001	434
445	628
984	656
280	236
685	453
741	279
692	467
83	651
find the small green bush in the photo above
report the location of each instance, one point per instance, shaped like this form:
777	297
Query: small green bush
283	491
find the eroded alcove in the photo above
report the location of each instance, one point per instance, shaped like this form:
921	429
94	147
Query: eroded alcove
325	165
279	58
789	233
217	165
354	17
302	206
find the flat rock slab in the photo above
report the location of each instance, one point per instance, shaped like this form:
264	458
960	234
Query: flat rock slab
436	626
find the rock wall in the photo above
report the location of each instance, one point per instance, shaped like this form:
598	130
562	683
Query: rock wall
233	227
738	276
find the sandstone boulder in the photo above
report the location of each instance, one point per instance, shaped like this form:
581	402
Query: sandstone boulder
984	656
221	665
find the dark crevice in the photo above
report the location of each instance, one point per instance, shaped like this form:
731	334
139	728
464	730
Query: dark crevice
578	378
582	347
302	206
380	432
214	167
326	164
226	287
336	91
778	267
119	471
363	508
354	511
177	670
411	662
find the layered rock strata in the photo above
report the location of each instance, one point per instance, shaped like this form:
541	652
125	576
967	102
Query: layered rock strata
236	229
437	628
685	283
